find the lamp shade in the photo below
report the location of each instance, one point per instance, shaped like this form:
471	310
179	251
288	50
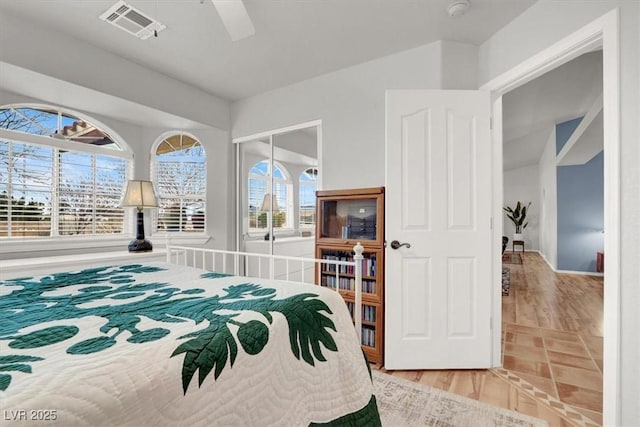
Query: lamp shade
268	202
140	194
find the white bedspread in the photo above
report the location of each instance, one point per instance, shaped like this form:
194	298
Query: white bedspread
143	346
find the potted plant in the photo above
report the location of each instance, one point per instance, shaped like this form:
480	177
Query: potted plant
517	217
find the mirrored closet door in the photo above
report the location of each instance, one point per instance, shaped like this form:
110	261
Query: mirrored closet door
277	177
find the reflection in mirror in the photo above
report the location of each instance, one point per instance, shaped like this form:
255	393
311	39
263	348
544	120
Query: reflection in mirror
278	178
295	153
255	182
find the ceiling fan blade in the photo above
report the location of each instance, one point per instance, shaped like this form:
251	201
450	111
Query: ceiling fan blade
235	18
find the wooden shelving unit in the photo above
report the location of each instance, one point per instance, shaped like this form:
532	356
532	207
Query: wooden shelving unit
344	218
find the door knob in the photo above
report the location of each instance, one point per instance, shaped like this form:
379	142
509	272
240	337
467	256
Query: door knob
395	244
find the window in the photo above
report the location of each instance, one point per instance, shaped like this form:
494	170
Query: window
180	177
259	183
307	199
60	175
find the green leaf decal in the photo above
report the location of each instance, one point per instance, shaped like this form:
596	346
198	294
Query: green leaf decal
95	288
16	358
193	291
119	281
149	335
253	336
20	367
126	295
5	380
92	345
210	349
52	335
263	292
213	275
308	327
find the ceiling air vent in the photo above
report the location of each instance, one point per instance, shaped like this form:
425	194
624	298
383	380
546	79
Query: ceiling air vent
132	20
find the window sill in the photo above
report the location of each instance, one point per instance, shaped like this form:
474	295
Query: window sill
52	246
285	233
22	248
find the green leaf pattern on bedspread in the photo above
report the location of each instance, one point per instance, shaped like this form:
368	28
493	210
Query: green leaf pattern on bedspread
28	302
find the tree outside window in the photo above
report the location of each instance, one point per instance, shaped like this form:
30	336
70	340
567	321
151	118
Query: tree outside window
66	181
180	178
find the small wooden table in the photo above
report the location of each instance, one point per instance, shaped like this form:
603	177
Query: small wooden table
517	242
600	262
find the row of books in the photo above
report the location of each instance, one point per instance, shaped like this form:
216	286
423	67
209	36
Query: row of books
368	265
368	312
344	283
349	283
368	336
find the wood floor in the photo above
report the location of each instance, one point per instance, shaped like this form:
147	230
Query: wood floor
552	349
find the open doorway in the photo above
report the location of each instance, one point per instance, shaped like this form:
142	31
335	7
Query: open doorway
601	33
553	166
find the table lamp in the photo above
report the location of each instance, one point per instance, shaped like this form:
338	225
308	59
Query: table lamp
270	206
140	194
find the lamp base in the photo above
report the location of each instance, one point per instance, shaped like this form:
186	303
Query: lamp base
140	245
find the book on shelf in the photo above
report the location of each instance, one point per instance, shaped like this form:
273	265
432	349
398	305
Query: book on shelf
368	312
368	265
368	336
348	283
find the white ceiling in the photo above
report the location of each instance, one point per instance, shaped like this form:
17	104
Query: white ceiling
531	111
295	39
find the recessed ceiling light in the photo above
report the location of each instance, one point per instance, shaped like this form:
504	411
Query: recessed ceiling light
458	8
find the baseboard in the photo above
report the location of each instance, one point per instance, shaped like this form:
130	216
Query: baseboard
547	261
582	273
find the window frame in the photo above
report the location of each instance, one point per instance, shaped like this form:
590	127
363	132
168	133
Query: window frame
16	244
301	185
194	234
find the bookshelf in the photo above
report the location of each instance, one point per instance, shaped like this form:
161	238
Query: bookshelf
344	218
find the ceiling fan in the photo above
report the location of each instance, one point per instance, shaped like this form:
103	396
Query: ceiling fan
235	18
233	14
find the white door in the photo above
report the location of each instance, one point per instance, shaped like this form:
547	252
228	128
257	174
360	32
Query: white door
438	200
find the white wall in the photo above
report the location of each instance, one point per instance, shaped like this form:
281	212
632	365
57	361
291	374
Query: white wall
547	184
522	184
543	24
350	103
540	26
459	65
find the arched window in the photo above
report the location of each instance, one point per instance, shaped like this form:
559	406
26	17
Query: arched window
60	175
180	171
258	192
307	200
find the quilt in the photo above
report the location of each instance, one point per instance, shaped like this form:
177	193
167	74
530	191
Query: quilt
159	344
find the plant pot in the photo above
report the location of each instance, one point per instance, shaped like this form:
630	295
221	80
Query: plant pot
518	236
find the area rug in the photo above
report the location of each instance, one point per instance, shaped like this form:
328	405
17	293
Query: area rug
511	258
506	281
408	404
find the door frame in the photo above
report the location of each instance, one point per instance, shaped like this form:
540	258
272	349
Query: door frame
601	33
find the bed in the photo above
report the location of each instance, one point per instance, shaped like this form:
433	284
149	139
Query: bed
164	344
